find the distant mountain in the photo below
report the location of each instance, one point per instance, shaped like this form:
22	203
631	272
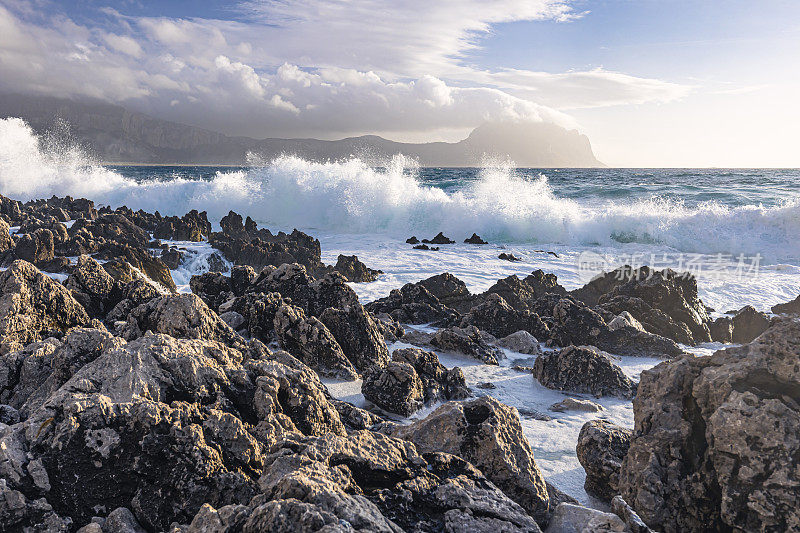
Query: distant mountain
117	135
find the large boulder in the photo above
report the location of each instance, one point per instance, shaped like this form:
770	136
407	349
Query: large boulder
788	308
468	341
716	439
450	291
495	316
396	388
92	287
308	339
414	304
354	270
438	382
489	435
357	334
583	369
601	448
520	293
36	247
34	307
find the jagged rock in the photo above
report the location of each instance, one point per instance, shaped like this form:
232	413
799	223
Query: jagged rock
172	257
396	388
497	318
488	434
92	287
357	335
354	270
241	278
184	317
576	404
749	324
468	341
624	319
601	448
572	322
190	227
309	339
715	443
789	308
6	242
439	239
438	382
582	369
722	329
475	239
509	257
521	293
389	328
152	267
450	291
258	310
134	293
412	240
571	518
521	342
159	426
621	508
413	304
33	307
212	287
8	415
36	247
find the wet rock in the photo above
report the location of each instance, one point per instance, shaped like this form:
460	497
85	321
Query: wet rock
413	304
217	263
521	342
93	287
396	388
488	434
509	257
521	293
33	307
354	270
576	404
190	227
572	518
715	442
749	324
468	341
212	287
357	335
450	291
412	240
601	448
185	316
426	247
308	339
789	308
582	369
475	239
497	318
438	382
439	239
172	257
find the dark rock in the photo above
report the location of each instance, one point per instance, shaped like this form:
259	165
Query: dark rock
715	444
396	388
498	318
475	240
486	385
216	263
749	324
93	287
193	226
450	291
357	335
722	329
172	257
34	307
258	310
36	247
582	369
601	448
488	434
789	308
6	242
413	304
438	383
308	339
468	341
412	240
8	415
426	247
522	293
354	270
509	257
212	287
242	276
439	239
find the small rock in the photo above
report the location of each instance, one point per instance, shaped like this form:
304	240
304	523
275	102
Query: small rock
509	257
475	239
571	518
486	385
576	404
601	448
583	369
412	240
521	342
439	239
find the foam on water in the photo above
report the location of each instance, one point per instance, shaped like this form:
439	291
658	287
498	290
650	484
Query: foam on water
351	197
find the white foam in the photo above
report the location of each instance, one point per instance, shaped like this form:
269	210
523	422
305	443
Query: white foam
351	197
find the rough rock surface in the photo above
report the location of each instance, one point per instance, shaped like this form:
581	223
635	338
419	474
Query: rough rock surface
576	404
354	270
520	293
601	448
438	382
468	341
521	342
357	335
488	434
414	304
572	518
582	369
715	443
450	291
495	316
34	307
395	387
789	308
93	287
309	339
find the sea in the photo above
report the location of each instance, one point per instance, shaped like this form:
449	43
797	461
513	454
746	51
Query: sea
736	230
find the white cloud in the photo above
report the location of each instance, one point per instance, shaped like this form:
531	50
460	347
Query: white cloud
314	67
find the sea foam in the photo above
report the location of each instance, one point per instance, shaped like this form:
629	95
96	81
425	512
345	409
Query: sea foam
352	197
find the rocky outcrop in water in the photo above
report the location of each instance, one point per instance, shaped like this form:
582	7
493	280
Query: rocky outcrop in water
468	341
354	270
582	369
715	441
602	446
788	308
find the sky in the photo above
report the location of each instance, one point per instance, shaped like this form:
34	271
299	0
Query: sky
652	83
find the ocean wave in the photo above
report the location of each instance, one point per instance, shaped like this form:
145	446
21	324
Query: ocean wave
352	197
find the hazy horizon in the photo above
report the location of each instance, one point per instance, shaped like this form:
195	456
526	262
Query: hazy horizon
651	84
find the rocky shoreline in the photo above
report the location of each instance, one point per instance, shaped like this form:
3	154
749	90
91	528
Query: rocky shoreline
125	406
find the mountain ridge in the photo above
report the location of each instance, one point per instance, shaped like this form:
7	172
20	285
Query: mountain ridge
116	135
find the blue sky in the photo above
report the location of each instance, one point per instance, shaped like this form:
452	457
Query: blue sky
652	83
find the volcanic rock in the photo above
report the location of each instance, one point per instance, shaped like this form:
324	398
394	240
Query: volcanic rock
601	448
582	369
